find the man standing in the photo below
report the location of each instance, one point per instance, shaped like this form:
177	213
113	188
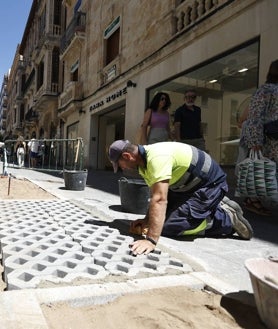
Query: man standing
33	145
187	122
187	193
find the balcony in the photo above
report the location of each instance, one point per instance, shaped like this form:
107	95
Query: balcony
73	92
76	28
28	81
191	12
31	116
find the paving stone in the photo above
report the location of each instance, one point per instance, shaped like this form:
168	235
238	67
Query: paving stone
47	244
23	279
56	241
68	259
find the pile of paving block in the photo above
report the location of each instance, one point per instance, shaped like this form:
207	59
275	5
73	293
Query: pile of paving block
56	241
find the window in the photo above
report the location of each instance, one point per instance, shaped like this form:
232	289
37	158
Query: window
112	41
112	46
42	22
55	65
74	75
40	74
57	12
21	113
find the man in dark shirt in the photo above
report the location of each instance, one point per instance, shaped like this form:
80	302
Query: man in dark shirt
187	122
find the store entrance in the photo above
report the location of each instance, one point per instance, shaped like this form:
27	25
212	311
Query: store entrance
111	127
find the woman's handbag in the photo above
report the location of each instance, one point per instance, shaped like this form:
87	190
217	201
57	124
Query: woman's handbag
256	176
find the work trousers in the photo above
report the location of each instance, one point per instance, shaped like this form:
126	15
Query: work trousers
197	212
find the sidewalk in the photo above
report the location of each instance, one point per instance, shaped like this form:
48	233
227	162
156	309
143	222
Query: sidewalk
214	263
223	258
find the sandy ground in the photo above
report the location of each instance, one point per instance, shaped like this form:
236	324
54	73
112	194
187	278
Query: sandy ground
175	307
14	189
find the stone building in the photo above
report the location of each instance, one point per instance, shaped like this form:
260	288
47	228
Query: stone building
3	104
112	56
35	78
15	107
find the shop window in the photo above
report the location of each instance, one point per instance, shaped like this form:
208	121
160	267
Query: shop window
224	86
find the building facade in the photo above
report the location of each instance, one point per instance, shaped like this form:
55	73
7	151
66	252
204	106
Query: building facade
34	78
3	105
95	65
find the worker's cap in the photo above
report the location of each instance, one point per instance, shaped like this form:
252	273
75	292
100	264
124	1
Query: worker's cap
115	151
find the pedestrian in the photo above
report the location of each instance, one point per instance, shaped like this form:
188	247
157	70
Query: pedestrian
187	192
187	122
263	109
20	153
33	145
20	148
252	204
156	123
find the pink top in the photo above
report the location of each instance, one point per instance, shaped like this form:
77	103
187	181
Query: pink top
160	120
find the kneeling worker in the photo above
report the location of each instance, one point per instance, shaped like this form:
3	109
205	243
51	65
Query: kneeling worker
187	193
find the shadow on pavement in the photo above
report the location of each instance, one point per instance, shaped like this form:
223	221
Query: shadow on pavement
241	305
122	225
265	228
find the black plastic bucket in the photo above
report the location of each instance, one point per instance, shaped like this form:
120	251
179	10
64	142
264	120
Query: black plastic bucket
75	179
135	195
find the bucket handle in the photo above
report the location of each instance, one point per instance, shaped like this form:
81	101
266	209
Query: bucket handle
123	179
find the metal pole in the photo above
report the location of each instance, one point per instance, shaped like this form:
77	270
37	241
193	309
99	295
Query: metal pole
9	185
5	164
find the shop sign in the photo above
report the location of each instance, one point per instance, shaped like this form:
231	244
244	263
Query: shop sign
111	73
109	99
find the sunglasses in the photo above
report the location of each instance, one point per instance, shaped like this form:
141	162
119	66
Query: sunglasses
190	96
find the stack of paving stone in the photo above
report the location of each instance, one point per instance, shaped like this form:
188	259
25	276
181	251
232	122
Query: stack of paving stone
56	241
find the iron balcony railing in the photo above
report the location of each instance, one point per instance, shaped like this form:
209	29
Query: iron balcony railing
77	24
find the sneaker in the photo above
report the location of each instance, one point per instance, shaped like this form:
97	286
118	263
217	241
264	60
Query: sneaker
232	204
239	223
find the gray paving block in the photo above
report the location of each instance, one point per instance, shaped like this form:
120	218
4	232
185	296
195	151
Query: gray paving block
45	245
68	259
22	279
29	231
56	241
102	234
